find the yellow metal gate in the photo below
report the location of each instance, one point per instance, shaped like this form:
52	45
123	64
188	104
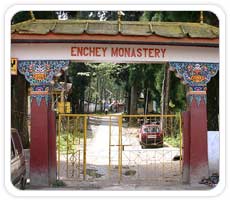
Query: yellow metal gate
106	148
159	161
84	151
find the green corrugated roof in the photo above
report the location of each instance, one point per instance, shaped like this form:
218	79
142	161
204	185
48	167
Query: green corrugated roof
165	29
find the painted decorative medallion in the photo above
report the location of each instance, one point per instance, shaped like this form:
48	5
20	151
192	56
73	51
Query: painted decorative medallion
39	73
196	76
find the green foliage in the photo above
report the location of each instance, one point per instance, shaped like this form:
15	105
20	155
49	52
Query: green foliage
143	76
69	140
177	95
83	15
147	16
25	15
106	83
211	18
104	15
20	17
213	104
58	183
173	141
180	16
80	75
45	14
170	16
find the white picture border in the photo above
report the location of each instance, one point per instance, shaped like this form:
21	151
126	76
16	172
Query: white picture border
7	96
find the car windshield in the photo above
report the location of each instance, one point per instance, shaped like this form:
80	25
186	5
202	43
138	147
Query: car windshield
151	129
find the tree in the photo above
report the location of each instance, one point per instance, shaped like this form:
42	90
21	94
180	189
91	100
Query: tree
213	104
180	16
179	101
165	90
105	84
20	17
80	74
104	15
26	15
177	95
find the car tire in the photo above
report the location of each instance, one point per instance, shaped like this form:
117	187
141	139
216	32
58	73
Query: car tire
23	183
161	145
143	146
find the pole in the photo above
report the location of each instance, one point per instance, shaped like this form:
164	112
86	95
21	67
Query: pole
109	144
59	145
65	89
180	125
120	147
84	151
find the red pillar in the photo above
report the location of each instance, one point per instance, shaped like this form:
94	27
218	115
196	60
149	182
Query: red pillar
39	73
198	137
39	146
196	75
43	165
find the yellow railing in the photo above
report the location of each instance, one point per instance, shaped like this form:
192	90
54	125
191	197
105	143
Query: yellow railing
70	124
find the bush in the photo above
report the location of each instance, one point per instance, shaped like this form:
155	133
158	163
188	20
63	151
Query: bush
173	141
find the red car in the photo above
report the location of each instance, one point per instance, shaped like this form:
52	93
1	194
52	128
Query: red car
151	135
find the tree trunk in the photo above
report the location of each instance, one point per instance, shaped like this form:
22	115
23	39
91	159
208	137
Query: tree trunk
133	100
167	88
133	104
77	106
101	95
163	93
165	96
82	109
88	100
19	107
128	102
146	101
95	109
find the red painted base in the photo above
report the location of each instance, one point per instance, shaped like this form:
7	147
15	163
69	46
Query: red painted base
198	141
39	144
43	145
195	152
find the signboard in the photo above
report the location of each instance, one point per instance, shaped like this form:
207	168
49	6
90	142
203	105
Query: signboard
14	66
64	107
117	53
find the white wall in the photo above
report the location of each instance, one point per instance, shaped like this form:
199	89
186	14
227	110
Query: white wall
213	151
